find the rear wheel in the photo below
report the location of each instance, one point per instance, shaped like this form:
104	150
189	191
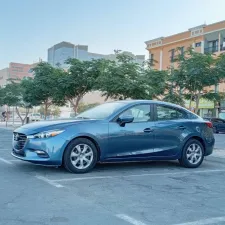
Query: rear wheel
80	156
192	154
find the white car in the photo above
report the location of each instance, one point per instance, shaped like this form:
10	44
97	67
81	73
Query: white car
35	117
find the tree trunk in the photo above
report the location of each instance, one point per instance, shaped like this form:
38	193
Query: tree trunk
45	110
7	116
190	101
197	103
75	103
18	113
27	112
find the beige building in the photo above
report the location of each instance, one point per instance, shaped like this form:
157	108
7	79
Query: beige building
204	39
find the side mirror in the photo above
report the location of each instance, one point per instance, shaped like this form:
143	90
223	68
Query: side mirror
122	120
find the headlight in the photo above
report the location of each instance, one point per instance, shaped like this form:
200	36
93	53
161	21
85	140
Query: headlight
46	134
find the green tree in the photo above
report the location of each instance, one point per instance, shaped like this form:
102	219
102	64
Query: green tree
126	79
45	85
195	72
14	94
154	83
121	79
80	79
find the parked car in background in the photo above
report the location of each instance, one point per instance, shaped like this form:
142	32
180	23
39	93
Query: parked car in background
35	117
218	124
117	131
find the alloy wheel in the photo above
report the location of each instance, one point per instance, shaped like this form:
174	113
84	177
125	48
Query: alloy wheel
194	153
81	156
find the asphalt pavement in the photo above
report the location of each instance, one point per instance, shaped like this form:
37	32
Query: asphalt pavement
152	193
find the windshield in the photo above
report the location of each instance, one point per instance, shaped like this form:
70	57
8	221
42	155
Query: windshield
101	112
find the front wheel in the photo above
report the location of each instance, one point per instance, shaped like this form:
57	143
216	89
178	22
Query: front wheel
80	156
192	154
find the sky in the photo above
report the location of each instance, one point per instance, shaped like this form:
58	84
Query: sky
29	27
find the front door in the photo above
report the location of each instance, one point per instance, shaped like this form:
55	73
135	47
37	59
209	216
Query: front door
170	130
134	140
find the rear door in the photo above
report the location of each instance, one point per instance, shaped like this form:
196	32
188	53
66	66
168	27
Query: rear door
170	129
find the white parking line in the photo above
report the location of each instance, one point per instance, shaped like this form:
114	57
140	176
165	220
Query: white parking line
130	219
205	222
5	161
49	181
138	175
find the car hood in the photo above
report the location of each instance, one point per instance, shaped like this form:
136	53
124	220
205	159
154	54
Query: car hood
49	125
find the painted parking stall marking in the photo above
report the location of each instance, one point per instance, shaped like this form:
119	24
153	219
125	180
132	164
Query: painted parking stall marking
130	219
5	161
205	221
139	175
49	181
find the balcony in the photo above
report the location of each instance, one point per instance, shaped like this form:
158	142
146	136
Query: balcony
211	49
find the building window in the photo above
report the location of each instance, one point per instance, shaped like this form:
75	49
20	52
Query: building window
182	50
172	55
198	44
151	57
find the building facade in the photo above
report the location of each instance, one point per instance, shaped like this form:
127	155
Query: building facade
59	53
203	38
15	71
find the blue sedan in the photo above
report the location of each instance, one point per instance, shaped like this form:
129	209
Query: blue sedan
136	130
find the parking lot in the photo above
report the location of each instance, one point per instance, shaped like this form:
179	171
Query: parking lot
151	193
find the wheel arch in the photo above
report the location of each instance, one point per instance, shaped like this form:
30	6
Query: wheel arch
198	139
86	137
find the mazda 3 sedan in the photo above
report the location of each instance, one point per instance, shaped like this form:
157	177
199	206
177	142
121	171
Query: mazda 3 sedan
117	131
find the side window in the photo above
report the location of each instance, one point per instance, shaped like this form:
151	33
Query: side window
168	113
141	113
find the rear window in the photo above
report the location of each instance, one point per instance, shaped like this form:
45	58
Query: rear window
192	116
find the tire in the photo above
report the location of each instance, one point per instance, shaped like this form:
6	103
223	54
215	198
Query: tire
193	161
75	156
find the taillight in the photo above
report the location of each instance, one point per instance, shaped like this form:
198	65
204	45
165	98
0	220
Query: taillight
209	124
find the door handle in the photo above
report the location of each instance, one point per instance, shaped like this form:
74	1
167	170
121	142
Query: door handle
181	127
148	130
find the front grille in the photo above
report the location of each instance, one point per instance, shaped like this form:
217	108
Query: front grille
19	140
19	153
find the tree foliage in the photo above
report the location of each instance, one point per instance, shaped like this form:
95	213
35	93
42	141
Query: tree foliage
195	71
126	79
80	79
189	77
15	94
45	85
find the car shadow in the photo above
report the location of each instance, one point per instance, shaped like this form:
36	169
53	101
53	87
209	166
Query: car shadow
102	167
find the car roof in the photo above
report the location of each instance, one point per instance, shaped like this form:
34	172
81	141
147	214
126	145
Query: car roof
149	101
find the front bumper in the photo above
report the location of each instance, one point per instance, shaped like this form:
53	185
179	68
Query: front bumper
52	147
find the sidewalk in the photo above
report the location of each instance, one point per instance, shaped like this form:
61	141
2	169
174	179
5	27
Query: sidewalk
10	125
